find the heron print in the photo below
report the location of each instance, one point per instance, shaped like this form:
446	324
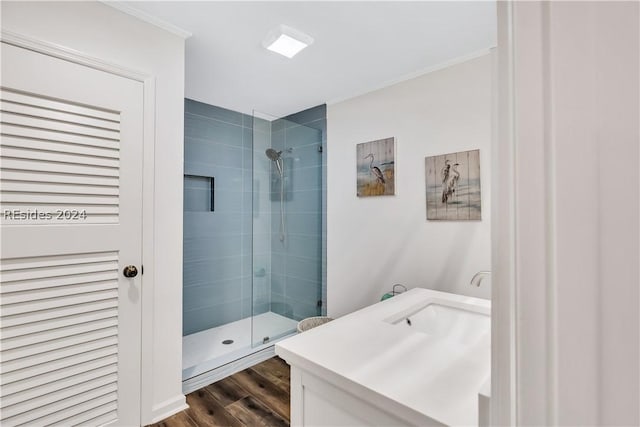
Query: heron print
376	168
453	186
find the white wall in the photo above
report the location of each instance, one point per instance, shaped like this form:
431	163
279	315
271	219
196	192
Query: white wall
573	226
375	242
102	32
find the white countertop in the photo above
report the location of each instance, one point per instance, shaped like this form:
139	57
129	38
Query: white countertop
419	377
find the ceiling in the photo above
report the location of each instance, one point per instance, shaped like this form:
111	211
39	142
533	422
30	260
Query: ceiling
358	47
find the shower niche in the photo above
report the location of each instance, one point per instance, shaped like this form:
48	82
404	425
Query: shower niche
254	240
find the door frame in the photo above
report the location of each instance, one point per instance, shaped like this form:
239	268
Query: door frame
524	371
148	187
504	309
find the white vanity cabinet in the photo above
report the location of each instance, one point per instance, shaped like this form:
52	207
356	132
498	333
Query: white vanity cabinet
373	368
320	403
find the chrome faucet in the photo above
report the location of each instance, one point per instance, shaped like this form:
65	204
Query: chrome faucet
478	277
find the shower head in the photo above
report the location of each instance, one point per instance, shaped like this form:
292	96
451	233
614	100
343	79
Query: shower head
273	154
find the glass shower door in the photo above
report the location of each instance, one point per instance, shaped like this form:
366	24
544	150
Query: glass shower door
287	226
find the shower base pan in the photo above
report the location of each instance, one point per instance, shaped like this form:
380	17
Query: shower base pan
208	356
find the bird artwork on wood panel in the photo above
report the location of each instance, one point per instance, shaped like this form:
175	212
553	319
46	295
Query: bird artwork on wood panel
453	186
376	168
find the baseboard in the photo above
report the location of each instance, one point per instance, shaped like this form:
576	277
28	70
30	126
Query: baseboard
168	408
209	377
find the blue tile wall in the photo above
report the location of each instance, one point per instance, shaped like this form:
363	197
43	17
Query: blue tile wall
217	252
298	267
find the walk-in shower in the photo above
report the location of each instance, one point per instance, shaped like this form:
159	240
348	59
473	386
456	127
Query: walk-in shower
253	234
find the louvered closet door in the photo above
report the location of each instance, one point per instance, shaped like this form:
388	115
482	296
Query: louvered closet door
70	197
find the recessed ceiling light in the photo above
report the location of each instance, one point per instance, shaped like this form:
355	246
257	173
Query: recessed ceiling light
287	41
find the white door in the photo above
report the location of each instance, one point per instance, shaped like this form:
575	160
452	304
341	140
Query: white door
71	218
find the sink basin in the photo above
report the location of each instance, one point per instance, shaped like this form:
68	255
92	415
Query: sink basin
464	323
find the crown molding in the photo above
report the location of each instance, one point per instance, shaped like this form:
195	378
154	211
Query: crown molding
144	16
415	74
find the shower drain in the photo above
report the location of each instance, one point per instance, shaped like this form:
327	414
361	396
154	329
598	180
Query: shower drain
227	342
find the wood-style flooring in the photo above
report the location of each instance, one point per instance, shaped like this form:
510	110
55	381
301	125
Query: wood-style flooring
258	396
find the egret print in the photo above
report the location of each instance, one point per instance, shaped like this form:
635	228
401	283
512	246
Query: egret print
376	168
453	186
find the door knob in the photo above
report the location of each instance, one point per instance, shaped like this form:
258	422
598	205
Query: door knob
130	271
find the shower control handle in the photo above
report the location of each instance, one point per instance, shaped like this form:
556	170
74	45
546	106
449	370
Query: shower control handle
130	271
